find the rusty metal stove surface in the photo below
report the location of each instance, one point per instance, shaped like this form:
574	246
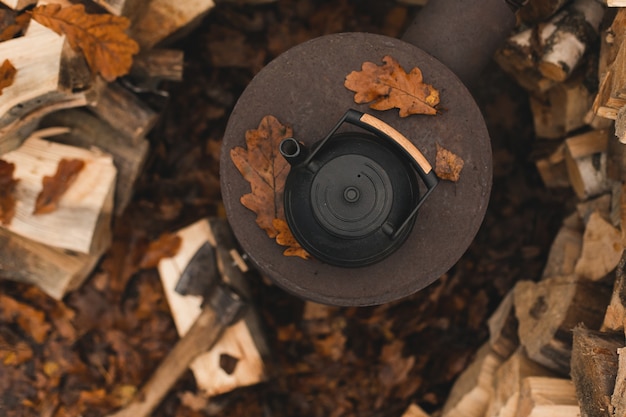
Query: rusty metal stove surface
304	88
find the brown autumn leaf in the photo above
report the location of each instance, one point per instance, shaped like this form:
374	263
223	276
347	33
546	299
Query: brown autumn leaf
448	165
7	74
31	320
266	170
100	37
389	85
286	238
54	187
7	189
166	246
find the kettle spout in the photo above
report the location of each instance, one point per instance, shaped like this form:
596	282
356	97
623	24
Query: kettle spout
293	151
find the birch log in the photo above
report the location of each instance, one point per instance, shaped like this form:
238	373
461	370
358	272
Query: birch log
570	33
586	160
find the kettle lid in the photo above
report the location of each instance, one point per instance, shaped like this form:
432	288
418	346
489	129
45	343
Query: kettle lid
346	205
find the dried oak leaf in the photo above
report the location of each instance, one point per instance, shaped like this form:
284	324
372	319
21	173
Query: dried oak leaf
266	170
286	238
389	86
54	187
7	74
100	37
7	189
448	165
166	246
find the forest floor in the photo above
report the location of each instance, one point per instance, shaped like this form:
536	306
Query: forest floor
86	355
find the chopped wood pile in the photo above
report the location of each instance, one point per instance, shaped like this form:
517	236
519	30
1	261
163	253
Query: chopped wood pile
106	347
557	345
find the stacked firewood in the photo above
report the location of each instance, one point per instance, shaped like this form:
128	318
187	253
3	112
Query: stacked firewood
557	345
56	108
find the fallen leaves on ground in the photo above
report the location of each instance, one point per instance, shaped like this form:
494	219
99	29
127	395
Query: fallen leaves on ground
7	189
54	187
166	246
389	85
32	321
7	75
448	165
100	37
266	170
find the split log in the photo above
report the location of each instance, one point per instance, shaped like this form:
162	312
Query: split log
565	249
553	170
167	19
58	250
586	160
547	397
87	131
618	399
152	67
594	369
615	317
562	109
503	337
508	383
243	343
611	95
125	112
549	310
55	271
81	223
49	76
471	393
602	249
18	4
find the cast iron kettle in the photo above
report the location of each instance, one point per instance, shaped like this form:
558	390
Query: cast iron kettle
384	235
353	200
